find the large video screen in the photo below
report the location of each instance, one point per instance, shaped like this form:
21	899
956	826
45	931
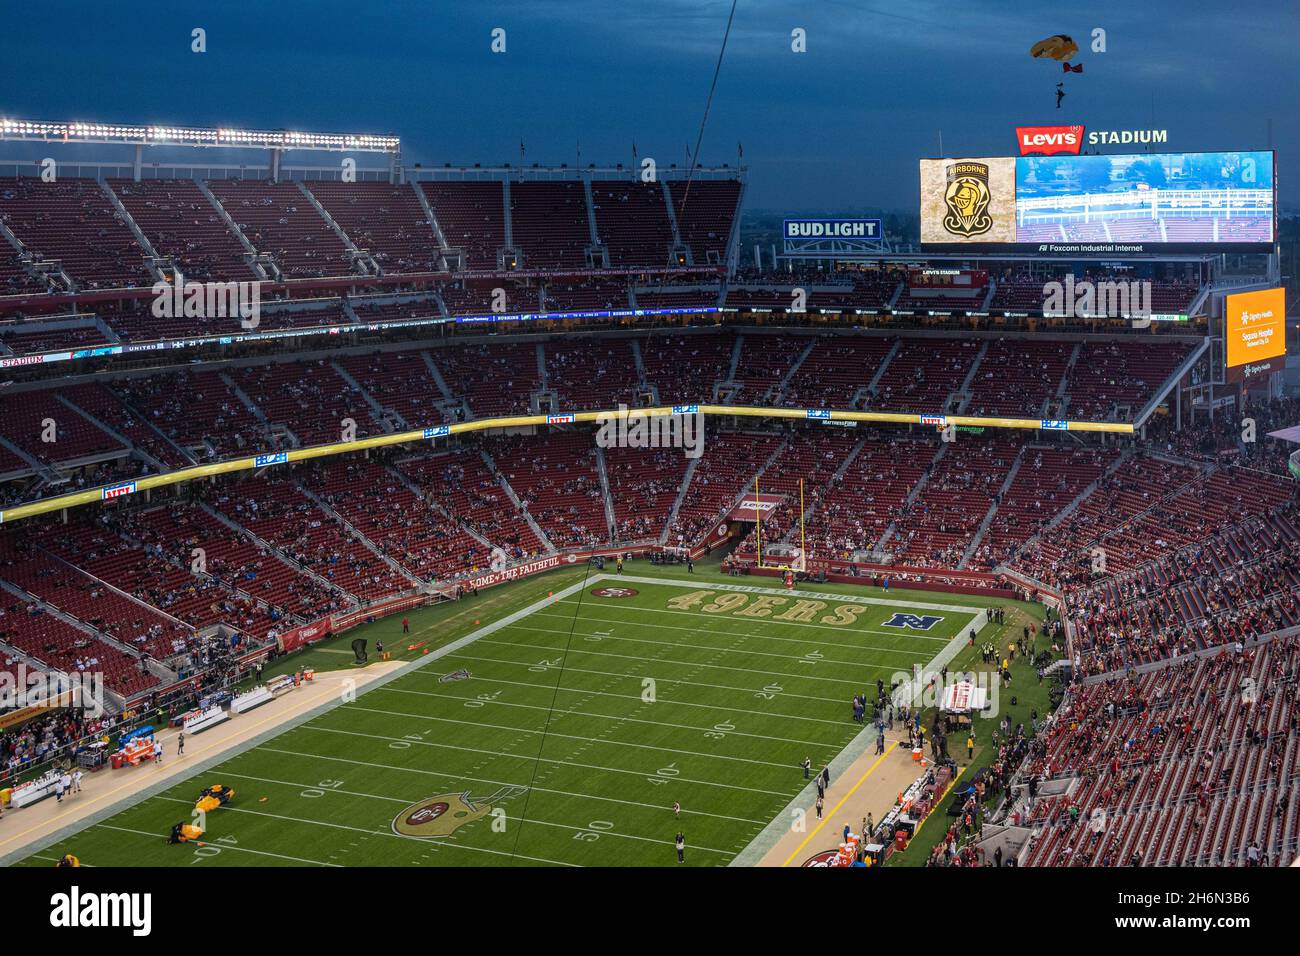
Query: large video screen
1145	203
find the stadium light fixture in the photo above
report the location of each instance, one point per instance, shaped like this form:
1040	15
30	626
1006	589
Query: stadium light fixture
106	133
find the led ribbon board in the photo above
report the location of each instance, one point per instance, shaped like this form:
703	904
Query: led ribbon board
107	492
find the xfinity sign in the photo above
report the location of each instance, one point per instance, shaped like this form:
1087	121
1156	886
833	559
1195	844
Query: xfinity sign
833	229
1049	140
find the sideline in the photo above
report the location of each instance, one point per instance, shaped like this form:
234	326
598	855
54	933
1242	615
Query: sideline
62	824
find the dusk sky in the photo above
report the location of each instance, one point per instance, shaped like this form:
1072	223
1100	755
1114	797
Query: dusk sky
839	126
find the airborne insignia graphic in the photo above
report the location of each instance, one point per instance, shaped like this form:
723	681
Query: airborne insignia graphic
968	198
443	815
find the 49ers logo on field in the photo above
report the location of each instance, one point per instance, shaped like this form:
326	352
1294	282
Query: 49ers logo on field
443	815
614	592
824	858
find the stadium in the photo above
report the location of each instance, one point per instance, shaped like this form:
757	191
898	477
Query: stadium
362	509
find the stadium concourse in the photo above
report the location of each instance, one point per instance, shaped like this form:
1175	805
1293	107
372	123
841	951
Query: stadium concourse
1169	544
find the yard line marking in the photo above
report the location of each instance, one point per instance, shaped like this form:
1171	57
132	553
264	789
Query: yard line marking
725	616
740	650
224	846
835	809
797	593
465	846
75	811
637	677
855	683
22	836
55	859
448	776
564	763
598	740
617	719
387	833
766	839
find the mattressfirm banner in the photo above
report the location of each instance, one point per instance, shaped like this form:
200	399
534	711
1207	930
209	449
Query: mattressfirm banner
968	200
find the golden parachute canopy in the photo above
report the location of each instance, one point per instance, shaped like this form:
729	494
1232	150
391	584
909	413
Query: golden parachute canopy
1058	47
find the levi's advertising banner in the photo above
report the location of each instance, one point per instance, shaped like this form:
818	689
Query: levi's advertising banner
1254	324
755	506
1049	140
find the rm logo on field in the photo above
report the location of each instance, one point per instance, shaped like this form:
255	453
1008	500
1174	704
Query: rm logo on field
913	622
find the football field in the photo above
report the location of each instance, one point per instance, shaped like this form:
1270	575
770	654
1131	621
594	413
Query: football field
562	733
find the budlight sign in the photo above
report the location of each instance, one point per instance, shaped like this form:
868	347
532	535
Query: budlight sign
832	229
817	237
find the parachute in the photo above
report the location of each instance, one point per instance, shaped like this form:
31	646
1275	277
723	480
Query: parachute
1061	48
184	833
212	797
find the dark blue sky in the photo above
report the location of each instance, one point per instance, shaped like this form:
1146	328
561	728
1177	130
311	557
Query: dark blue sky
839	126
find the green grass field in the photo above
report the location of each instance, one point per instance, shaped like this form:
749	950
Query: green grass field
583	717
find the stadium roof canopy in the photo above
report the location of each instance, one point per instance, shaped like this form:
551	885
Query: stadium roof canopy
127	135
1291	434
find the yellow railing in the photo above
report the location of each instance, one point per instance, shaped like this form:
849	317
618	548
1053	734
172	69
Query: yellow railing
125	488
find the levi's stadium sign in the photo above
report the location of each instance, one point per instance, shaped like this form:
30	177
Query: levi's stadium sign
1049	140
